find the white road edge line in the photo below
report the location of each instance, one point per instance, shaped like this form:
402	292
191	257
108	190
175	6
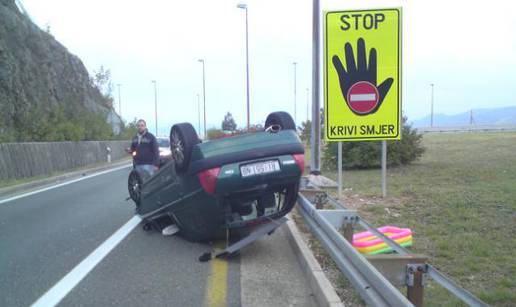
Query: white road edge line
55	294
62	184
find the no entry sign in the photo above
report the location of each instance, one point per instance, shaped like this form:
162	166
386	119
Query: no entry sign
362	98
362	75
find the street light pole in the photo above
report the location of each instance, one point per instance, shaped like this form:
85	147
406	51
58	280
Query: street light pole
244	6
295	92
155	105
199	112
204	94
432	106
119	101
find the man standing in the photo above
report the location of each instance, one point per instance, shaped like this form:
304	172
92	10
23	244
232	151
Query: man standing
144	148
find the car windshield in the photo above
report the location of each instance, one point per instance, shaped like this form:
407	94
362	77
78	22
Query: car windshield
163	142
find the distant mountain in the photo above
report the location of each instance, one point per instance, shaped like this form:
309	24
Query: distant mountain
495	116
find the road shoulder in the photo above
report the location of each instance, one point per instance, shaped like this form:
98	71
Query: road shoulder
271	274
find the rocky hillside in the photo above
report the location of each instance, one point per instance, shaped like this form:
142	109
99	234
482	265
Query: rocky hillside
43	85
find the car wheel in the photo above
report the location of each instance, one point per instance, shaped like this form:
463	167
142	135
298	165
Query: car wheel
182	140
282	119
134	185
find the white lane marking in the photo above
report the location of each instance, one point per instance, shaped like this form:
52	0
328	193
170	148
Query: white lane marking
362	97
62	184
55	294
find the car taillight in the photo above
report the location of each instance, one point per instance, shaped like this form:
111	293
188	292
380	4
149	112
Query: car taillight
208	179
300	161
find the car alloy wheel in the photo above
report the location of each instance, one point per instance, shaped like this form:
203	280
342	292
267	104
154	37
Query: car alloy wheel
177	148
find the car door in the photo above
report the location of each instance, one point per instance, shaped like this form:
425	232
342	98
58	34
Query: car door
164	187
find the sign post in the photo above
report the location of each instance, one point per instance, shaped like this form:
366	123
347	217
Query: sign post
362	77
339	169
384	169
315	131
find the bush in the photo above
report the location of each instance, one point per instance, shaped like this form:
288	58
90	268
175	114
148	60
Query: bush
127	131
215	134
362	155
305	130
62	123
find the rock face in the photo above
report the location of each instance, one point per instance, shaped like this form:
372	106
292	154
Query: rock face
38	73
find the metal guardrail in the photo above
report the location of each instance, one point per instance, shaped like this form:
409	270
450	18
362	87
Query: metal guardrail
375	288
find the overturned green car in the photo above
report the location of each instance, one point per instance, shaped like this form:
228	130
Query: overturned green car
231	183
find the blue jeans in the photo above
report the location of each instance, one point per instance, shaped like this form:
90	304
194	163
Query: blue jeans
149	168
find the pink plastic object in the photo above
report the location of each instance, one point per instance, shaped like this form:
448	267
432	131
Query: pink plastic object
396	233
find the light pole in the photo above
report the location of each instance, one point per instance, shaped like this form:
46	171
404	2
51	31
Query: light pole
155	105
295	92
199	112
204	94
432	106
244	6
119	101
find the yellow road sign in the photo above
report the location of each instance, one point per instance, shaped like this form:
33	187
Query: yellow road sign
362	76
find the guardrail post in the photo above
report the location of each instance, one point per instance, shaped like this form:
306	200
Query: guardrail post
416	281
348	232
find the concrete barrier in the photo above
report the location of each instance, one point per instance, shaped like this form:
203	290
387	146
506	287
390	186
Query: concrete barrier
23	160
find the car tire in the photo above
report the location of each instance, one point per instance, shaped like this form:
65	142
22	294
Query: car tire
134	185
282	119
182	140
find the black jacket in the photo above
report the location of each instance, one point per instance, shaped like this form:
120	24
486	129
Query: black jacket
147	151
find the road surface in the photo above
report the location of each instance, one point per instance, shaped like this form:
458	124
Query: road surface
79	244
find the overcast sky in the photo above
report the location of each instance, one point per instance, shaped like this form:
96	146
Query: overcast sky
467	50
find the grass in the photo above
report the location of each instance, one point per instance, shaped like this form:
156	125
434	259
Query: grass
460	202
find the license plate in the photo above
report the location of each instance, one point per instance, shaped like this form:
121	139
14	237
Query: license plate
259	168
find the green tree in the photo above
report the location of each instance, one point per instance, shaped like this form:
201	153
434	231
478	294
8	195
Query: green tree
228	124
102	81
127	131
361	155
305	130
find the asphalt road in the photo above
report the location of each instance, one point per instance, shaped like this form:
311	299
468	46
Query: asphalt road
48	235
